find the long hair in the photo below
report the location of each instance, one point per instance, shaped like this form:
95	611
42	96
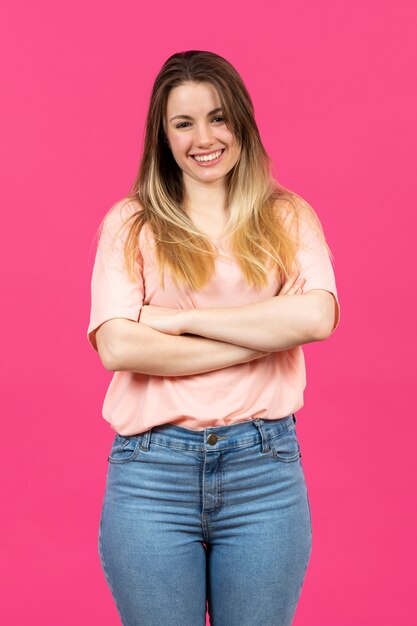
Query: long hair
259	209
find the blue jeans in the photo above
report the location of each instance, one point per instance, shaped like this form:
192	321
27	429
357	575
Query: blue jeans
217	518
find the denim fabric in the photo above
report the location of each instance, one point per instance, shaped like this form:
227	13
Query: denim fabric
217	518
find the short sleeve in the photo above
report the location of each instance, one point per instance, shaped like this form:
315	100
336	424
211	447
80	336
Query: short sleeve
113	293
315	264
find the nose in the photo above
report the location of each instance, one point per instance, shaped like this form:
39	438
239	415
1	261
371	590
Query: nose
204	135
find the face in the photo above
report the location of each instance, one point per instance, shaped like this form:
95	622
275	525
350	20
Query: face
194	125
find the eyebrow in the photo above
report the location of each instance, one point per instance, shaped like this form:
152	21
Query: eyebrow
188	117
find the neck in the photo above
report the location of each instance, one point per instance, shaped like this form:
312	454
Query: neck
205	199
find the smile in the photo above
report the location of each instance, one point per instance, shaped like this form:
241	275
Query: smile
208	158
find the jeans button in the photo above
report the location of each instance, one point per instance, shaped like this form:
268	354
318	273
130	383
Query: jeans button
212	439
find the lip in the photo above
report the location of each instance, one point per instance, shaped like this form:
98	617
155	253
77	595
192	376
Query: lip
208	163
206	153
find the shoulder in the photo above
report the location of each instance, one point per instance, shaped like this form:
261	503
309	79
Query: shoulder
290	205
122	212
300	221
115	224
118	218
295	211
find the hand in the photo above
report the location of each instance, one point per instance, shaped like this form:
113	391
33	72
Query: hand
293	286
165	319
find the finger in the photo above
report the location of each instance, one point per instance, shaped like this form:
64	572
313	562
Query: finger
289	283
296	288
301	283
292	278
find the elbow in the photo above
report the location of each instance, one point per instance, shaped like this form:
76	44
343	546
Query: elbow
108	350
324	321
322	332
117	348
109	364
108	359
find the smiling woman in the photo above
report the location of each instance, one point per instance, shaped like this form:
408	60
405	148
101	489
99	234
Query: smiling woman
208	279
203	142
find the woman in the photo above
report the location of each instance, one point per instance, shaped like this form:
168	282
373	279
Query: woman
208	278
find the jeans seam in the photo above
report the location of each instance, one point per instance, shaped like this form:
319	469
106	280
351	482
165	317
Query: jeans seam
132	457
296	457
106	572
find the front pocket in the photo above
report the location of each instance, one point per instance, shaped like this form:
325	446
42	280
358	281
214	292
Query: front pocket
124	449
285	447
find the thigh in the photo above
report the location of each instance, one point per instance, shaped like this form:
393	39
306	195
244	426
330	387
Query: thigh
261	537
149	539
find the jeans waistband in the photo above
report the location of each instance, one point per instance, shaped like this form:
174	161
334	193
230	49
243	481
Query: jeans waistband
240	435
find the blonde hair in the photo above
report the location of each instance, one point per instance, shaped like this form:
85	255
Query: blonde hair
258	206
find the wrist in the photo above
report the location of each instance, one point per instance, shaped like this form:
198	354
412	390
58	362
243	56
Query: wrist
186	322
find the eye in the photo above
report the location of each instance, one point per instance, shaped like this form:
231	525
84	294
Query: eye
185	124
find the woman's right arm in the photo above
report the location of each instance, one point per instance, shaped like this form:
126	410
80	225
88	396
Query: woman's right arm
125	345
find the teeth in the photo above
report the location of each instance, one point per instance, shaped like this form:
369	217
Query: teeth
209	157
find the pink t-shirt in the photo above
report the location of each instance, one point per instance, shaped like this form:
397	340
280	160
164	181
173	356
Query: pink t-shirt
270	387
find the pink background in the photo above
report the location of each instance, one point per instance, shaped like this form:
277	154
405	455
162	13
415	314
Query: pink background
334	89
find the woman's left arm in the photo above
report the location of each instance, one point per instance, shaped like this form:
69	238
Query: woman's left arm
271	325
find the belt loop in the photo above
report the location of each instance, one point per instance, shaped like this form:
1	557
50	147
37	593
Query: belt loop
145	440
259	423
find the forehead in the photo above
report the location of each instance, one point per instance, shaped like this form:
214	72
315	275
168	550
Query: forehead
192	97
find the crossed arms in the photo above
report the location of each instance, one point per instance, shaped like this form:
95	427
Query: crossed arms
169	342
